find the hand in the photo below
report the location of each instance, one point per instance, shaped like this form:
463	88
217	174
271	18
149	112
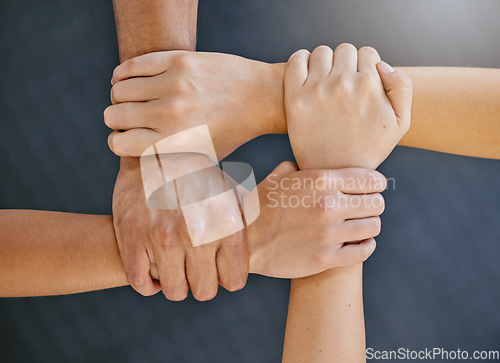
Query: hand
294	237
344	109
159	94
341	213
155	242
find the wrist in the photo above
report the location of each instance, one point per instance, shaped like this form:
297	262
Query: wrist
130	164
272	98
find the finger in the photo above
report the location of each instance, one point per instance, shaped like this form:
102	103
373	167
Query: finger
132	142
283	169
130	115
368	58
345	59
153	272
134	90
150	64
170	259
354	253
296	69
320	63
359	229
136	265
232	261
398	88
201	271
362	205
355	180
136	261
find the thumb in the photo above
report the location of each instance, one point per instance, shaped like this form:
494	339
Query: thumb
285	168
398	88
296	69
282	170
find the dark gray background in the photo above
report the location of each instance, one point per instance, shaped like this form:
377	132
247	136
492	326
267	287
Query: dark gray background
434	280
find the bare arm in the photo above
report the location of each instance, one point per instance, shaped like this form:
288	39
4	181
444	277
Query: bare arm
325	318
455	110
50	253
145	26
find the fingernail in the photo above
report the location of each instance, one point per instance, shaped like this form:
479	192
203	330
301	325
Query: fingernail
112	81
385	67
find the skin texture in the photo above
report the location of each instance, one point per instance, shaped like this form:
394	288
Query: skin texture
51	253
145	26
325	316
454	110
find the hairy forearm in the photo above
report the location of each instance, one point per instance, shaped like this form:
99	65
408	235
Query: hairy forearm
325	318
145	26
51	253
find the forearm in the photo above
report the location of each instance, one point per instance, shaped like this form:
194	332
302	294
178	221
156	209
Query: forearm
145	26
455	110
325	318
51	253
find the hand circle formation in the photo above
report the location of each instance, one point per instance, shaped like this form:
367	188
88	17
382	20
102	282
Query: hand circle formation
344	111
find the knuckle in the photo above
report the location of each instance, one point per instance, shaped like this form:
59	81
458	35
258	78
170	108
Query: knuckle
346	47
365	252
175	107
299	106
176	294
343	84
405	81
116	92
322	90
297	55
366	50
204	293
323	258
163	237
318	178
131	65
183	61
112	143
379	204
362	253
116	71
180	85
136	280
322	48
322	211
324	235
370	83
108	116
132	231
375	180
164	243
375	226
116	146
234	284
